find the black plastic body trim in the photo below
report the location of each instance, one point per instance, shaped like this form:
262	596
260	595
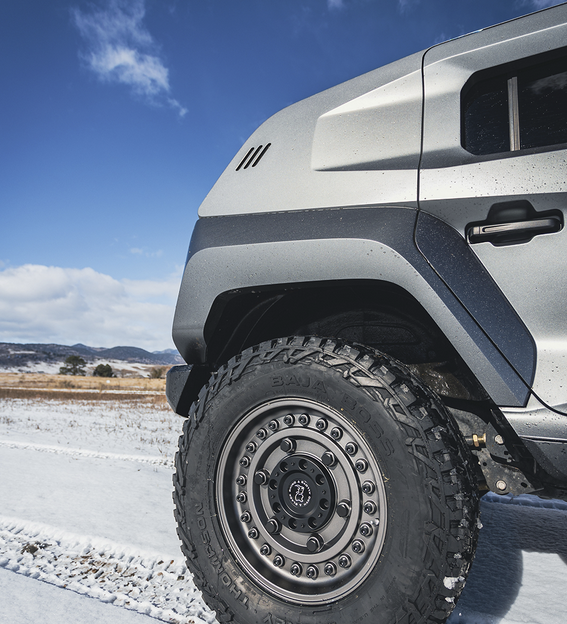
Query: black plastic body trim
470	282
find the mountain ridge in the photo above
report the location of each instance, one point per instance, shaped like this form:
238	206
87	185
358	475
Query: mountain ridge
22	355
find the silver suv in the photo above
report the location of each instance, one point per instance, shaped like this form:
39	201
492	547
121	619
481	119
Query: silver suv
373	316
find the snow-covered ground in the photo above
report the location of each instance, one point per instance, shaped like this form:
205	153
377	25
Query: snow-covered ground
87	531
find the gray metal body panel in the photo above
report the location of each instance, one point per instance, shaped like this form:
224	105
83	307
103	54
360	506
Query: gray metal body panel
342	147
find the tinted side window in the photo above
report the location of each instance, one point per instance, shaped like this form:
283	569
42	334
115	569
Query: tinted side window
486	118
542	93
519	109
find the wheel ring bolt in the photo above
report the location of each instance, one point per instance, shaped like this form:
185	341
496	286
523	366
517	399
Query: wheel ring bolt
244	461
289	419
303	419
329	459
321	424
368	487
336	433
366	529
241	497
288	445
358	547
253	534
266	550
369	507
345	562
241	480
330	569
351	448
262	434
296	569
273	425
343	509
312	572
279	561
246	517
251	447
261	477
361	465
273	526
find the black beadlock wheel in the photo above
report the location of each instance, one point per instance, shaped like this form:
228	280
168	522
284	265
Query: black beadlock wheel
314	475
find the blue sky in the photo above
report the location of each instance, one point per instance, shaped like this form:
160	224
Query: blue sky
117	116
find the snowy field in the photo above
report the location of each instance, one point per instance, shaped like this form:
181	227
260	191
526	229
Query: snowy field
87	531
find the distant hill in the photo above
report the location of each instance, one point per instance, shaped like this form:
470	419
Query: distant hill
15	356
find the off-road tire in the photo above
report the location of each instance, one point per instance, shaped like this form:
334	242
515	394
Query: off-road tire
332	458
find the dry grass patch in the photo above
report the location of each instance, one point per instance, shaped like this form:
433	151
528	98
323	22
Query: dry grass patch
63	387
40	380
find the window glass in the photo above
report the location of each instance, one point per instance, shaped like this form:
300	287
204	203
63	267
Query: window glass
486	128
542	93
536	97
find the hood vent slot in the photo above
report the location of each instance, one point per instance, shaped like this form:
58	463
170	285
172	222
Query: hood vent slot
253	157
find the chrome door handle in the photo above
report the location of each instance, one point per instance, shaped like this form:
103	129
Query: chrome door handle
516	232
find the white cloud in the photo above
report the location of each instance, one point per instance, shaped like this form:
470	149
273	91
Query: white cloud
137	251
405	5
335	5
120	49
541	4
52	304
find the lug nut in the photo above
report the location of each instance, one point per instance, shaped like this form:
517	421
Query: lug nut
288	445
370	507
261	477
303	419
321	424
241	480
366	529
361	465
289	419
273	425
351	448
246	517
279	561
266	550
262	434
244	461
241	497
345	562
336	433
312	572
296	569
329	459
314	543
330	569
343	509
253	534
273	526
251	447
358	547
368	487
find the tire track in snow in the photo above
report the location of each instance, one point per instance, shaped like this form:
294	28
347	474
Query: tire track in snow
159	587
76	452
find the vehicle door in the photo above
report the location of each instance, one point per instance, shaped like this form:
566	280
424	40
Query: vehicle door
494	167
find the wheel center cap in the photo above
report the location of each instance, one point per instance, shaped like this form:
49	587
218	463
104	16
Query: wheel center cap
299	493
